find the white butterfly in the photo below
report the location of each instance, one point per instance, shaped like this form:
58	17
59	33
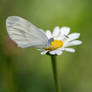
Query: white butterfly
25	34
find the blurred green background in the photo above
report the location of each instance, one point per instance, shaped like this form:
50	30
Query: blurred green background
25	70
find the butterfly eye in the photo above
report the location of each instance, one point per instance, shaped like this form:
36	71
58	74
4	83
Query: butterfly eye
50	40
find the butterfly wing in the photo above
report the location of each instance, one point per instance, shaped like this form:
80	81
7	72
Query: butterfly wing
24	33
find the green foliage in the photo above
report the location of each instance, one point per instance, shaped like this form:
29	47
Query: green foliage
25	70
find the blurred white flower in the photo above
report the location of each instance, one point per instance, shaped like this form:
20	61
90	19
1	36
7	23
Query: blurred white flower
60	40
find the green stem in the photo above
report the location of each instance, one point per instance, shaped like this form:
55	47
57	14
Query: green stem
55	73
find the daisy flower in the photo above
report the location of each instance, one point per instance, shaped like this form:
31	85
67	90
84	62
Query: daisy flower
25	35
61	41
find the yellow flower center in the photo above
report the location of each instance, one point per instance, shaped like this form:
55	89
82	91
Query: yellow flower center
54	45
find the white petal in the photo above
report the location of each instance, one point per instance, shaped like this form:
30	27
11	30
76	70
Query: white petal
43	52
58	52
59	37
56	31
70	49
61	49
48	34
74	36
52	52
65	30
75	42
